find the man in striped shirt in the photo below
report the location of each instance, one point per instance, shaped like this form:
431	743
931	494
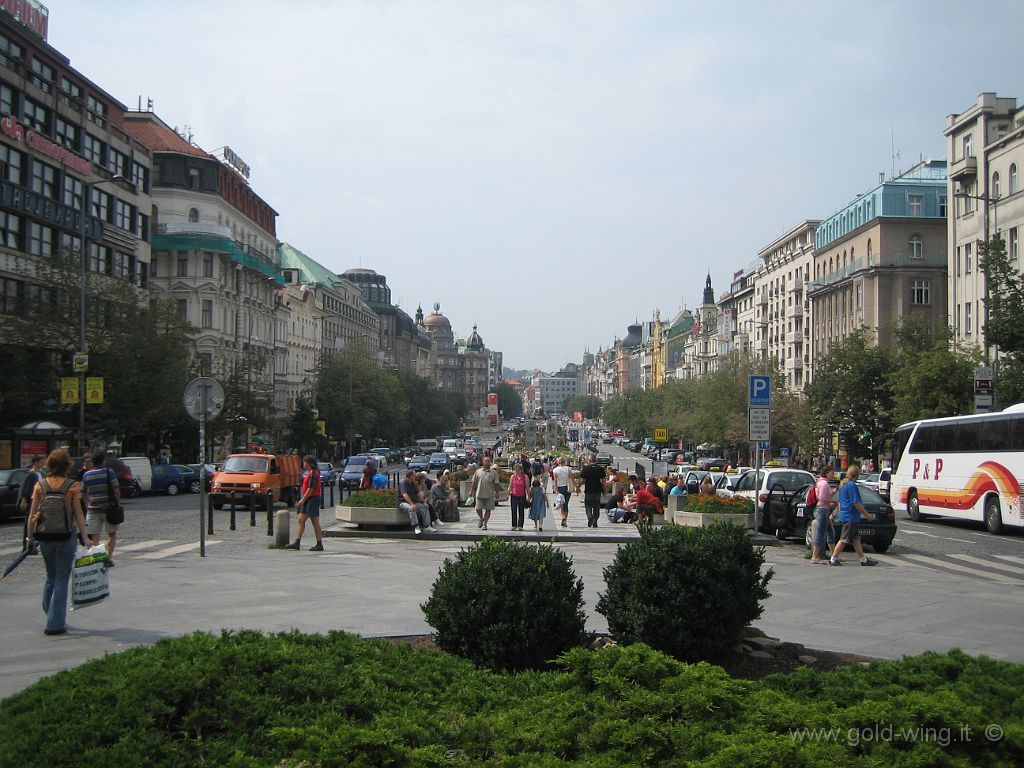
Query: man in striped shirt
98	482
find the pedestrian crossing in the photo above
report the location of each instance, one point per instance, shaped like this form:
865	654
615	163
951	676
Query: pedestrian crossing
1000	569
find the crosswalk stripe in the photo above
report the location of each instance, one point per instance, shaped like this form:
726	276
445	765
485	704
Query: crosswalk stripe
149	544
990	564
174	550
1011	558
897	561
349	556
935	563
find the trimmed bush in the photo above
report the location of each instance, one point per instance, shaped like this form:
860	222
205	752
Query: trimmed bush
686	591
507	606
379	497
710	504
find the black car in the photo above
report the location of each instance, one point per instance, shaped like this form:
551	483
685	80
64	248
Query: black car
420	462
10	485
437	461
879	532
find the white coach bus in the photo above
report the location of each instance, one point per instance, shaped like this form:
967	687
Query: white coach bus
964	467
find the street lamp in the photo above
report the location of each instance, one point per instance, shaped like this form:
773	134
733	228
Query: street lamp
82	359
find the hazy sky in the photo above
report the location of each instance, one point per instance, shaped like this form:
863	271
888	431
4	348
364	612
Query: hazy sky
553	170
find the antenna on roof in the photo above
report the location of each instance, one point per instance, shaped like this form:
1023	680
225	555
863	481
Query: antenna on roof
894	154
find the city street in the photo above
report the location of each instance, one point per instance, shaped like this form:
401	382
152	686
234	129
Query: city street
941	585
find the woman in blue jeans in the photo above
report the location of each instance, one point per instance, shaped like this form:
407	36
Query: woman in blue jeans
824	508
58	555
518	487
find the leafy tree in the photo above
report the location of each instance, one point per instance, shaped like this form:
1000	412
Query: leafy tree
302	430
588	405
510	404
1005	302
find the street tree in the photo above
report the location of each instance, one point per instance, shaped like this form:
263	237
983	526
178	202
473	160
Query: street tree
1005	325
510	404
588	405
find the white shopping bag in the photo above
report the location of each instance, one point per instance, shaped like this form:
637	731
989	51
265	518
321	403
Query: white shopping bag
89	581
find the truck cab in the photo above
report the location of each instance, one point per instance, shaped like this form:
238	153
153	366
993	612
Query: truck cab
268	477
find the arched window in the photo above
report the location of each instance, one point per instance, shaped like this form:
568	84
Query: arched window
1013	178
916	247
871	252
193	215
995	184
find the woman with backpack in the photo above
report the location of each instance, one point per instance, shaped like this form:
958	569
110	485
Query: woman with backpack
57	524
820	497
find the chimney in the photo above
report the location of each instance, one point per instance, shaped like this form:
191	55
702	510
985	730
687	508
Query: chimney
881	177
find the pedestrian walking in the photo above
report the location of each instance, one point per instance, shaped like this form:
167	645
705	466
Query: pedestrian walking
824	508
561	475
539	504
103	511
485	489
518	488
58	524
28	485
850	512
593	482
309	506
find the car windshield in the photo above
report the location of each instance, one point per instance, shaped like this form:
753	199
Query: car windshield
356	461
418	459
246	464
5	476
324	466
439	457
869	495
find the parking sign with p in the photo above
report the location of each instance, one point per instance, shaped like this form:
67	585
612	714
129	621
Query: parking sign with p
760	392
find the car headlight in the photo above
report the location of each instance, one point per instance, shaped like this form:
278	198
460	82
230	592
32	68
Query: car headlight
256	486
216	485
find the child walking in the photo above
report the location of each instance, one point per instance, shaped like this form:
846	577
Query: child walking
538	505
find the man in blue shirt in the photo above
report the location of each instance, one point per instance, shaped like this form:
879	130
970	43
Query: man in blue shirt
850	512
98	483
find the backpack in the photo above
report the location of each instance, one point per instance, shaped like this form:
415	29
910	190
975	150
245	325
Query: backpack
53	522
812	496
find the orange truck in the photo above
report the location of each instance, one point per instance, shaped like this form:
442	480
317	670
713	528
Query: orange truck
271	478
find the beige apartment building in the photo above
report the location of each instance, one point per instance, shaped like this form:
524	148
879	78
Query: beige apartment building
781	324
882	259
985	146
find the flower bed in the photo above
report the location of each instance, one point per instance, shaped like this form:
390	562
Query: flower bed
704	509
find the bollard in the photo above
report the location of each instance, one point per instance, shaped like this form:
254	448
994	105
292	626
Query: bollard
270	519
232	524
284	525
252	507
209	516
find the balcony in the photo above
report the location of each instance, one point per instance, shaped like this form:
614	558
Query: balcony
963	169
194	228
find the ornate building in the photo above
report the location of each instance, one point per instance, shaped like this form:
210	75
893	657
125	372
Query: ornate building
462	367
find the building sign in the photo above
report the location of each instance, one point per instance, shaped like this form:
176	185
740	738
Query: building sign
58	214
10	126
31	14
94	390
236	162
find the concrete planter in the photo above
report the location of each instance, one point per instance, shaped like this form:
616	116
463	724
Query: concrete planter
698	519
382	516
675	503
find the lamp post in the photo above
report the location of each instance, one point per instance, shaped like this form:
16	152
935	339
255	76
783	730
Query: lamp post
81	363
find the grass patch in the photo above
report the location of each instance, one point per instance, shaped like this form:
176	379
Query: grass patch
247	699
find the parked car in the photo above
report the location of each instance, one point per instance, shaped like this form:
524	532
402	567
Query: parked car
328	474
439	460
772	490
10	484
189	477
420	462
695	477
707	462
633	446
142	470
879	532
884	483
384	453
166	478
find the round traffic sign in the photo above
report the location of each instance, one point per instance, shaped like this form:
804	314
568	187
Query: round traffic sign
203	398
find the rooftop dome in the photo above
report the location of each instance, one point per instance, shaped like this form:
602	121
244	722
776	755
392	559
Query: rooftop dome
474	341
436	320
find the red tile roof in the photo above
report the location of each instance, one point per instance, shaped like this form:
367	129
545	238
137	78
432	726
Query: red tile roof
151	131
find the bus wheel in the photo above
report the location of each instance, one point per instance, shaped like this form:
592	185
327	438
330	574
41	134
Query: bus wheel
993	515
914	508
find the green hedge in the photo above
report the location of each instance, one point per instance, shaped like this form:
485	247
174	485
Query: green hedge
378	497
245	699
710	504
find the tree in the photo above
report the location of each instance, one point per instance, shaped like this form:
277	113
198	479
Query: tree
1005	325
588	405
510	404
302	431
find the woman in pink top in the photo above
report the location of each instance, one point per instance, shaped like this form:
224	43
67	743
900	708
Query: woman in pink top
517	487
823	509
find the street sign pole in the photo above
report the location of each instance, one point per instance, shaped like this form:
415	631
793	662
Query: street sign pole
203	399
759	419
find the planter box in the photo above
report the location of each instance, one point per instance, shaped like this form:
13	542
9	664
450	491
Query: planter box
675	503
700	519
385	516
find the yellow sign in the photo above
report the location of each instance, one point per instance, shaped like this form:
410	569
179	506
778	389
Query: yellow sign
321	427
660	434
68	390
93	390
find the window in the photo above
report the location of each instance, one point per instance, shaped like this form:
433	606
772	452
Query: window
967	258
969	145
140	176
995	184
6	100
193	215
94	149
915	205
959	254
10	230
207	265
101	205
871	253
118	162
124	215
35	116
11	294
967	319
942	206
9	50
1012	243
207	318
66	134
916	247
121	265
73	191
70	93
1013	178
97	112
40	239
183	309
42	75
11	165
860	295
920	293
99	259
44	180
142	226
182	264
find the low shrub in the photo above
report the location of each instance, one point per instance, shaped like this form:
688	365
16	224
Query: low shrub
507	605
377	497
710	504
686	591
245	699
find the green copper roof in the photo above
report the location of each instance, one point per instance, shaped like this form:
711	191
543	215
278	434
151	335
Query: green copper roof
310	270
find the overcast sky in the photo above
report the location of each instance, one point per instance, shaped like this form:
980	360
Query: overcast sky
551	171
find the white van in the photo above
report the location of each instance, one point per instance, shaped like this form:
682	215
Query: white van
142	470
451	447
